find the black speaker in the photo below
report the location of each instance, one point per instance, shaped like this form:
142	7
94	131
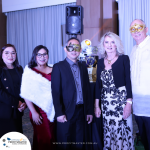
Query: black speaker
74	20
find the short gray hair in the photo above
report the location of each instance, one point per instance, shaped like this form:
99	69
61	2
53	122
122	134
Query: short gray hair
118	42
140	20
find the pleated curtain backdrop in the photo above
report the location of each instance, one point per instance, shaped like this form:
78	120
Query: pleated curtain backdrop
128	11
41	26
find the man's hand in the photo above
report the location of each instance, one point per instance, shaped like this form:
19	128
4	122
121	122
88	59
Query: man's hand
89	118
62	119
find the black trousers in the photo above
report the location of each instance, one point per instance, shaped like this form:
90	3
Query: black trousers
144	130
70	135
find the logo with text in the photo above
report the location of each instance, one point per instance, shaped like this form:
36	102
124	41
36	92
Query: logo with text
14	141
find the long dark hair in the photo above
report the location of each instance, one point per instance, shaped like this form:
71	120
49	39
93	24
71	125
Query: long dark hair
32	63
15	63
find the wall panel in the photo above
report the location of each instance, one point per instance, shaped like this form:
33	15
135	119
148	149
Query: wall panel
95	13
99	17
87	15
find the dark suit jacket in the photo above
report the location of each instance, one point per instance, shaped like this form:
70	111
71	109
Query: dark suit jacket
64	90
8	103
121	75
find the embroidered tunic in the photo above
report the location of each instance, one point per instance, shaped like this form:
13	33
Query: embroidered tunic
140	77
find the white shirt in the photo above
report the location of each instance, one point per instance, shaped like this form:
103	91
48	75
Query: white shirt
140	77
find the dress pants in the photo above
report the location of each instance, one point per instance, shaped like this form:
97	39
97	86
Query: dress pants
70	134
144	130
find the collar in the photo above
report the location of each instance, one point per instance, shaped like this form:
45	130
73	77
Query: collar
143	43
71	63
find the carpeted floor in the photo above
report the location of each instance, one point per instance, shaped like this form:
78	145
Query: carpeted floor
28	129
27	126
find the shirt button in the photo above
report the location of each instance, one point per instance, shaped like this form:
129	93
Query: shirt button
6	87
5	79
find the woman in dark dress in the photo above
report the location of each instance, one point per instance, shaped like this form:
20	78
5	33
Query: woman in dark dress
36	90
113	92
11	104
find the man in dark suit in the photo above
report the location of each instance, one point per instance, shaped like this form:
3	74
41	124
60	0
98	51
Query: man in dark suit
71	97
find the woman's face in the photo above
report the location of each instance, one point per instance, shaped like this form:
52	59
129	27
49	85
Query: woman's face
42	57
9	56
109	45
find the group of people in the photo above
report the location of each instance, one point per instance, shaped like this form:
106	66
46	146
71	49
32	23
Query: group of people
59	97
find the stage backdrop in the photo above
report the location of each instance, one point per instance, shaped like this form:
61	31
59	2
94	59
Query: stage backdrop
29	28
128	11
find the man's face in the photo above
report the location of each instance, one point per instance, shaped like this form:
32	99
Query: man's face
73	55
140	33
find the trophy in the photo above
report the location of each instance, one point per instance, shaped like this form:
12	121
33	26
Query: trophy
89	55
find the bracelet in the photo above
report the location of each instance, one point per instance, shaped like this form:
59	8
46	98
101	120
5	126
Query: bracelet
129	102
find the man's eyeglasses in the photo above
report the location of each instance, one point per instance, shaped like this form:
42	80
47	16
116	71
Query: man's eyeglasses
40	55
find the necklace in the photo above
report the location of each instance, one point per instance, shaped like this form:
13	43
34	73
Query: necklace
109	61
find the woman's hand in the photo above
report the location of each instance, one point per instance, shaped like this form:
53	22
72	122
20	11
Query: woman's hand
37	119
21	106
97	112
127	110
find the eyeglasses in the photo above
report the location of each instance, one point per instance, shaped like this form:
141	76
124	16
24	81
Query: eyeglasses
7	53
73	47
40	55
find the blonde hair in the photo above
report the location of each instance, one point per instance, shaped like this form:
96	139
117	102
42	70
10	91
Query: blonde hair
118	43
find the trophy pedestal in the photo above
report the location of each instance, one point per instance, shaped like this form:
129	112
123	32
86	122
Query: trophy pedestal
92	74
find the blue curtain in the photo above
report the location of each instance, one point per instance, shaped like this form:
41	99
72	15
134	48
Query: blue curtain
29	28
128	11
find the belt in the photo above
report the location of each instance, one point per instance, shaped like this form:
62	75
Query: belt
79	105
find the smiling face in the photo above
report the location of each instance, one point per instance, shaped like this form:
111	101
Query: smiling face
73	55
9	56
139	36
109	45
42	57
